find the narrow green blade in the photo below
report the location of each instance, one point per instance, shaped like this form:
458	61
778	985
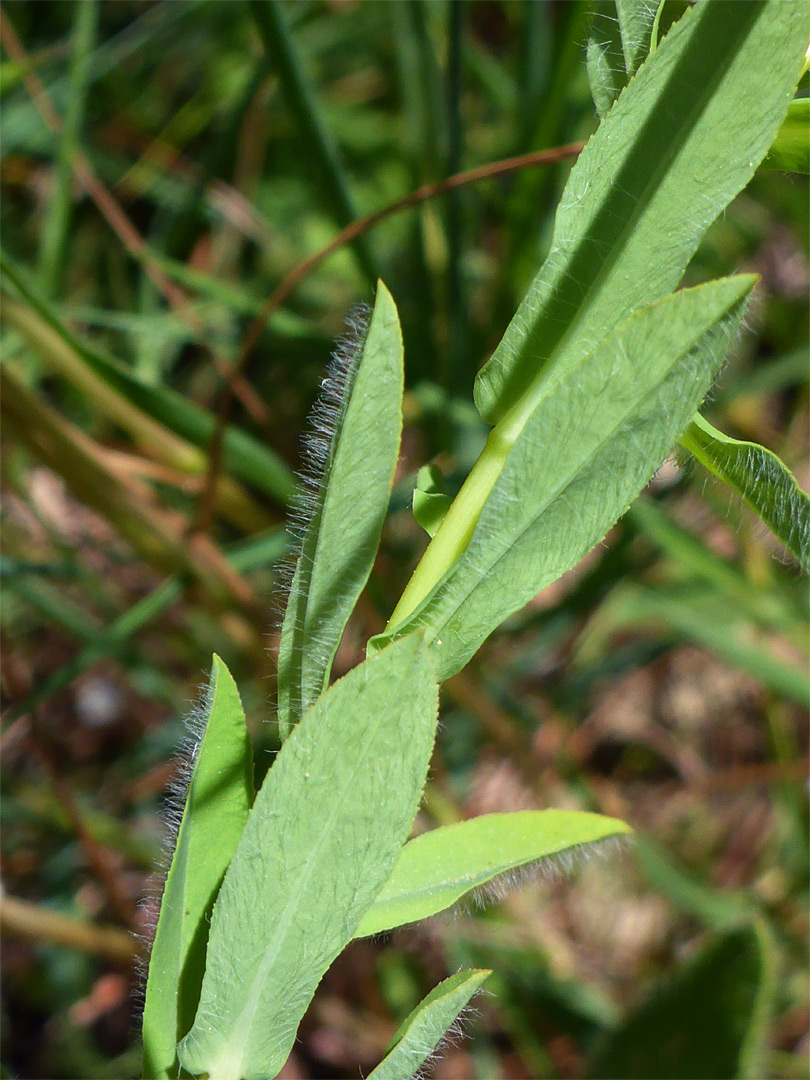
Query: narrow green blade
706	617
564	470
435	870
243	455
219	796
683	140
320	842
346	517
423	1030
760	479
708	1020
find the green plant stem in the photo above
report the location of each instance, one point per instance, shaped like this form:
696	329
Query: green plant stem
455	531
57	222
22	919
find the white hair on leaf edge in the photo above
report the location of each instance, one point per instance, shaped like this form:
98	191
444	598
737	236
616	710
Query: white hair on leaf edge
317	450
195	722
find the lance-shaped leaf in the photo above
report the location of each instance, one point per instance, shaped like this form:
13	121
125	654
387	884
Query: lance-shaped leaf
557	474
361	427
219	795
708	1020
618	42
760	479
319	844
435	870
423	1030
680	143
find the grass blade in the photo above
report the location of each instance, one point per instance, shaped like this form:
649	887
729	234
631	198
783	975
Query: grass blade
707	104
349	499
703	619
707	1021
316	142
435	870
157	535
760	479
422	1032
220	793
257	551
244	456
57	221
320	842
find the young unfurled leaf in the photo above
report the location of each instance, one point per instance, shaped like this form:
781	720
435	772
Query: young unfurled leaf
761	480
319	844
683	140
435	870
618	42
359	444
422	1032
430	503
562	468
219	795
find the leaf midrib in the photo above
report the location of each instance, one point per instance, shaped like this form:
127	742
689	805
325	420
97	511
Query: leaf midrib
566	481
641	206
244	1020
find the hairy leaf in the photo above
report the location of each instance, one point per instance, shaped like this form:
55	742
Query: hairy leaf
422	1032
360	431
561	473
219	795
319	844
618	42
436	869
682	141
761	480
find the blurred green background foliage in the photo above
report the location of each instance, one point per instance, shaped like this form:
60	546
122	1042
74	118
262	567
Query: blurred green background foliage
166	166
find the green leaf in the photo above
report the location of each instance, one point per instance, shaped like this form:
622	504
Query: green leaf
705	616
682	141
436	869
757	600
345	521
554	477
760	479
707	1021
618	42
319	844
422	1031
790	150
430	503
219	796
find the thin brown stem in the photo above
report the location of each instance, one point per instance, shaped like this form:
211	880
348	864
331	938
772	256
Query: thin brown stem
346	236
24	919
